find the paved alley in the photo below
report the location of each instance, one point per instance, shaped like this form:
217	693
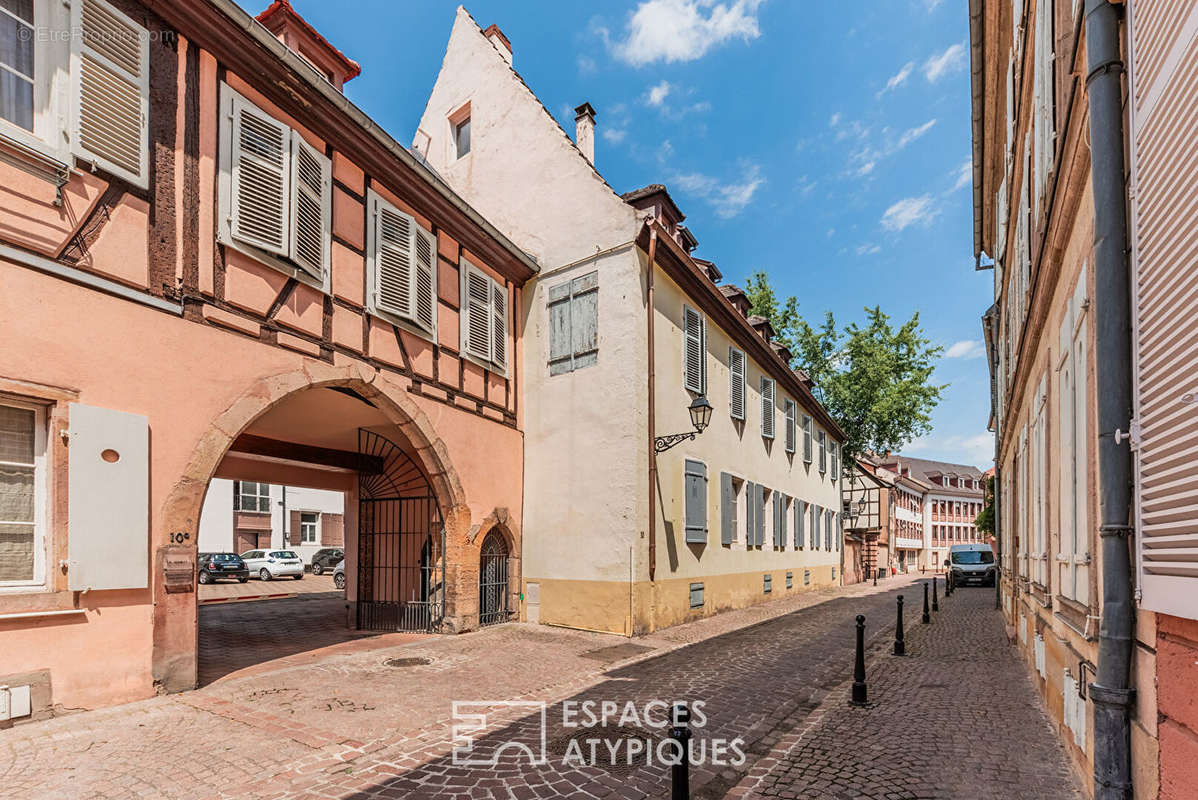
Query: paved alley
374	717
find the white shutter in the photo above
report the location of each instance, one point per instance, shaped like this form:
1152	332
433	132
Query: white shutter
767	408
110	78
1081	537
695	346
476	313
108	499
499	333
390	251
424	278
261	177
311	204
736	393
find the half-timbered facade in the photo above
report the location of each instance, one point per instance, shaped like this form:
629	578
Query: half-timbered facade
214	265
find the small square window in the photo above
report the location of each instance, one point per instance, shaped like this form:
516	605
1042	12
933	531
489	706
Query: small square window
767	583
790	579
461	136
696	595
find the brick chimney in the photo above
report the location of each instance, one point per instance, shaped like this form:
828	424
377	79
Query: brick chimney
501	42
301	38
584	131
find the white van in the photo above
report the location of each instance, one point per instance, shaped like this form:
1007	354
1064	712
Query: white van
972	563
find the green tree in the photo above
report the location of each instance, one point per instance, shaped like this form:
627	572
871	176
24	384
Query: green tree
874	379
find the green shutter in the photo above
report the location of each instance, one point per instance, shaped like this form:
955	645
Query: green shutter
695	486
727	509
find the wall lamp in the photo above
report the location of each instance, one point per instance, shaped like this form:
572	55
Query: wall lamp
700	411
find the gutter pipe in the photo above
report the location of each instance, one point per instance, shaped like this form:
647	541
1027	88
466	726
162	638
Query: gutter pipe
651	415
1110	691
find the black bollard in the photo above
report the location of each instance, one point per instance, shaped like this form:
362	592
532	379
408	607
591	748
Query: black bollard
935	601
927	616
875	576
680	781
900	644
948	584
859	690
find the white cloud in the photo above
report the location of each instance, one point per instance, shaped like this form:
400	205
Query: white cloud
728	199
868	249
587	65
614	135
834	120
966	348
865	168
964	175
932	4
911	134
977	450
684	30
657	94
907	212
897	79
946	63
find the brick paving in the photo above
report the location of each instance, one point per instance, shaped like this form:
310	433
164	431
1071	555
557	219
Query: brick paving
957	717
372	717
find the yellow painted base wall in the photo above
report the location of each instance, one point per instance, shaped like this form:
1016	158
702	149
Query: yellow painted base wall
617	607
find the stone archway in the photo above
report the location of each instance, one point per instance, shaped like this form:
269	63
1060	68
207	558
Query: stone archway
174	654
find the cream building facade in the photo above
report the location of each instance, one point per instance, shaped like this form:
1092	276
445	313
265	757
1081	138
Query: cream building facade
623	331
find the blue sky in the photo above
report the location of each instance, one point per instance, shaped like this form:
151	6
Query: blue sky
826	143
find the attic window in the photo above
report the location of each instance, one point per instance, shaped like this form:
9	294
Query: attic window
459	126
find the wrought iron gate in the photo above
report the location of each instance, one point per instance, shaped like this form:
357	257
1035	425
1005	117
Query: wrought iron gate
401	542
493	580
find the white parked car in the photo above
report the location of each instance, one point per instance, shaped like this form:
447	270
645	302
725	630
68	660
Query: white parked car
271	564
339	574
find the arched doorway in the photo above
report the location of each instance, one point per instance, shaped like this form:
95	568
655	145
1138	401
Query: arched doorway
401	542
493	580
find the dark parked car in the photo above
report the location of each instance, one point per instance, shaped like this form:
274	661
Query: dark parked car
213	566
326	558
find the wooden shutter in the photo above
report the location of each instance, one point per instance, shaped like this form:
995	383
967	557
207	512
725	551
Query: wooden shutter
499	326
695	350
424	278
736	392
816	516
727	509
108	499
1164	129
391	254
311	205
110	76
822	438
574	324
759	533
561	351
780	527
790	424
476	312
261	179
806	439
835	460
767	407
800	518
750	512
695	479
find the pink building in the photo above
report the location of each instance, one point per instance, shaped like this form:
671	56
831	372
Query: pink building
214	265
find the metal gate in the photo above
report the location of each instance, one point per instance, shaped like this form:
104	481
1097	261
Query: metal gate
493	580
401	542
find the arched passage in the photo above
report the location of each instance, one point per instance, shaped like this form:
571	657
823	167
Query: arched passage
305	409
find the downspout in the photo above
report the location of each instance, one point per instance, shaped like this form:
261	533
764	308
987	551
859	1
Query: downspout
652	406
1110	690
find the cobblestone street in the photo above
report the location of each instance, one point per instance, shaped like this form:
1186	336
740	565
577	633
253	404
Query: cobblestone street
373	717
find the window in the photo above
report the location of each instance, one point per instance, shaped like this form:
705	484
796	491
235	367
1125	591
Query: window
1044	105
574	324
92	85
828	519
401	264
696	592
695	495
767	583
736	392
484	317
800	519
251	496
835	460
461	136
1073	548
276	190
789	406
767	407
806	439
814	527
780	513
694	334
22	493
308	522
822	438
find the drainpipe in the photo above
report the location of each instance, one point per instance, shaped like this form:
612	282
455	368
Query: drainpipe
1112	317
652	406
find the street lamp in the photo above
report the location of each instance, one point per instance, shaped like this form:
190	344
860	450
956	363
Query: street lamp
700	411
